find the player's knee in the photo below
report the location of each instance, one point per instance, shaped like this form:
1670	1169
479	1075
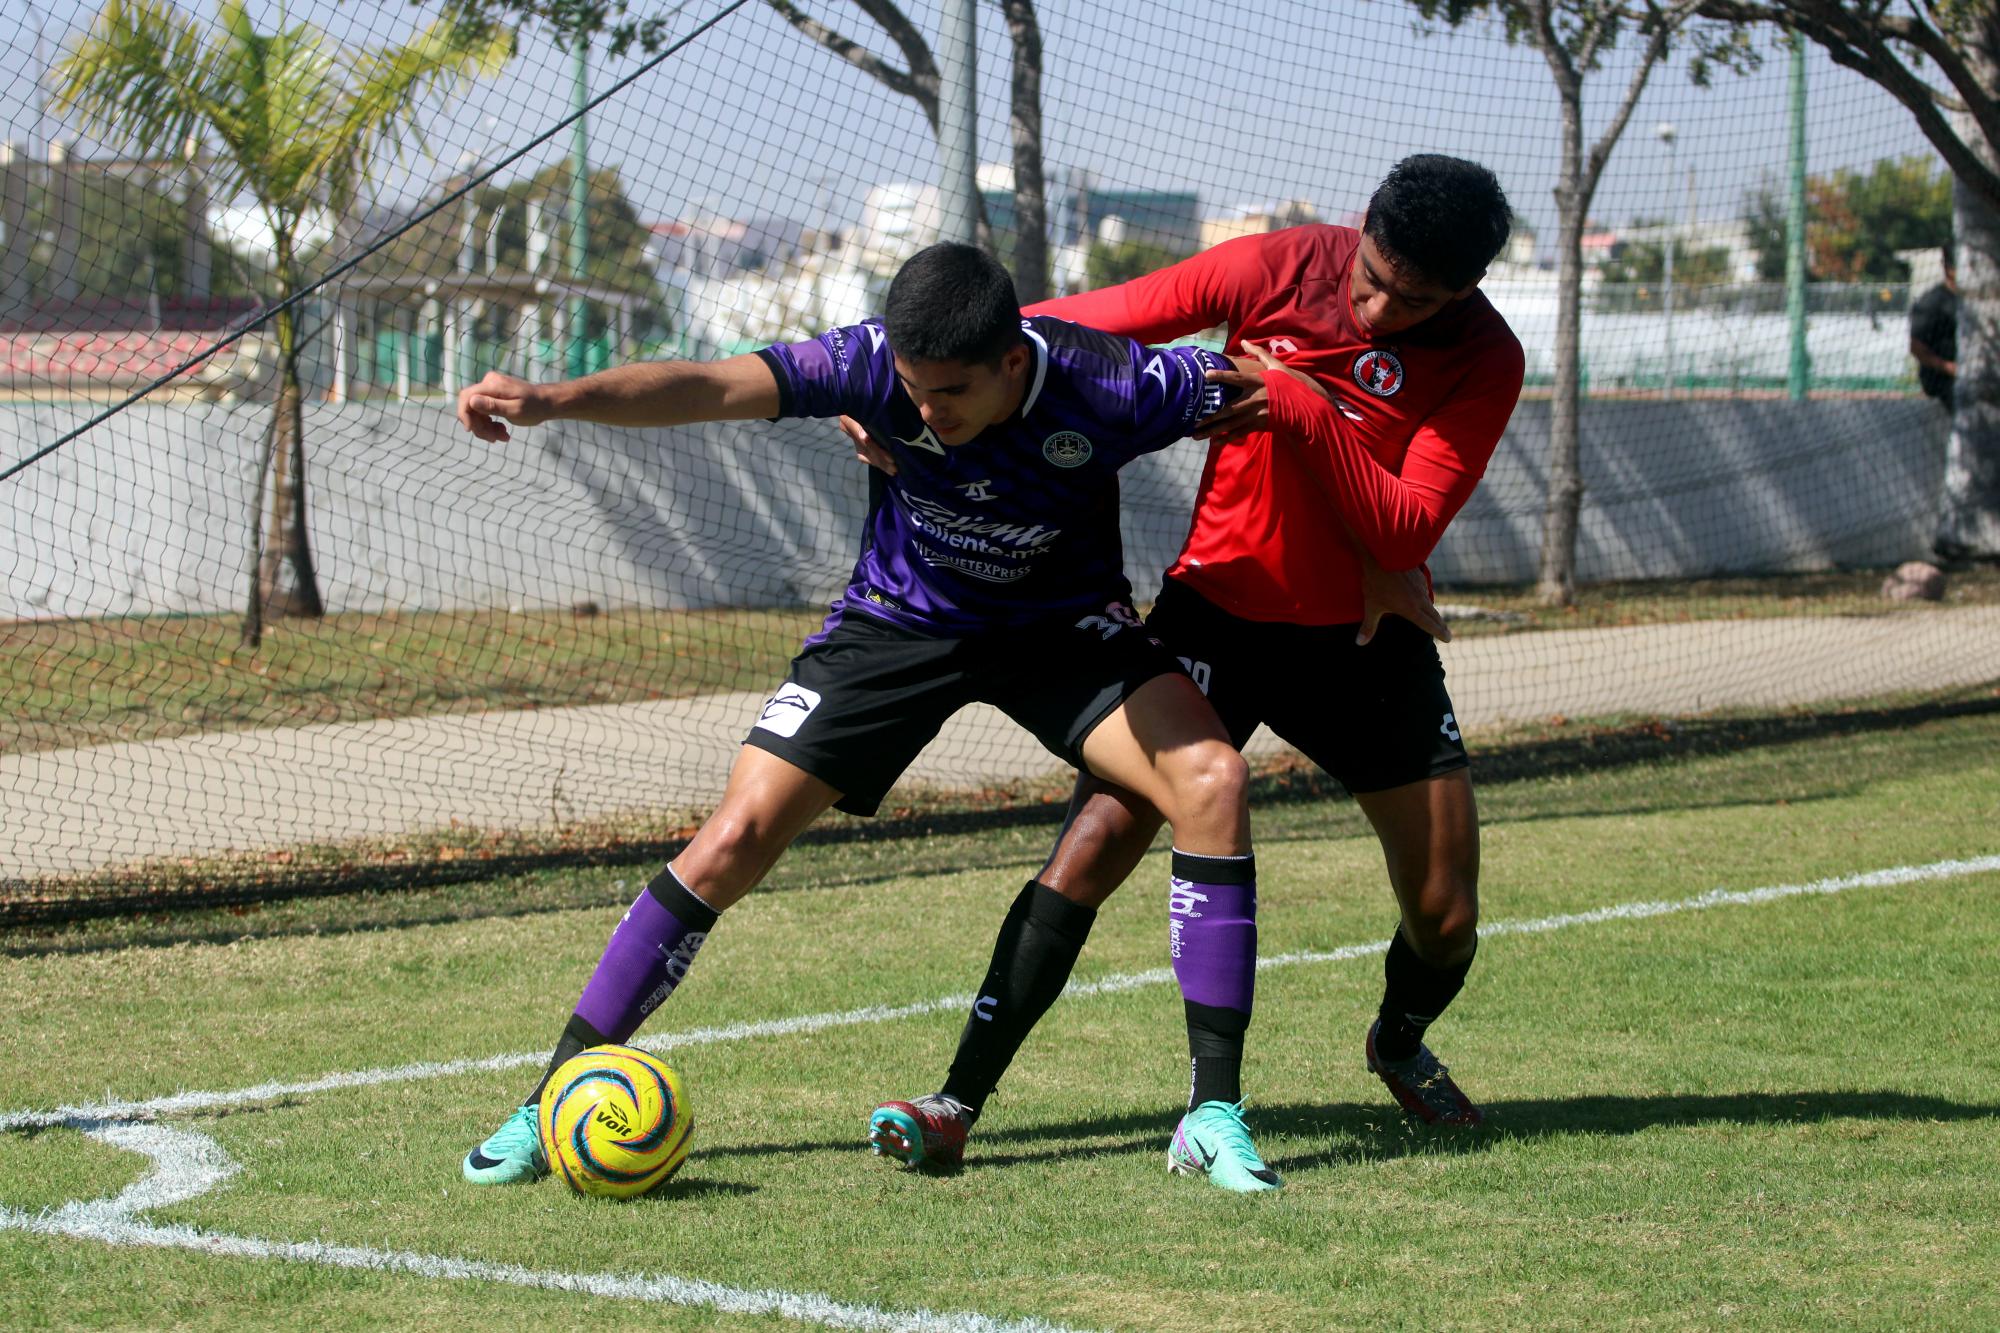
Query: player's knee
1101	844
1211	784
733	849
1444	928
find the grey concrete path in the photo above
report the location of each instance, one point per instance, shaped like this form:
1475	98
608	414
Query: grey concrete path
72	810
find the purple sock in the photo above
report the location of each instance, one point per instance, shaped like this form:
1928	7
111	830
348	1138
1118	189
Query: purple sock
648	955
1212	929
1212	934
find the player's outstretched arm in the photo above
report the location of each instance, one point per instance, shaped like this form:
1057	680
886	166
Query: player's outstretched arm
646	393
1214	287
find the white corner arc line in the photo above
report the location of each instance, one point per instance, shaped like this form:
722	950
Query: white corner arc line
182	1103
186	1164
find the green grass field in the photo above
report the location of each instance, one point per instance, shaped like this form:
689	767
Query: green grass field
1763	1115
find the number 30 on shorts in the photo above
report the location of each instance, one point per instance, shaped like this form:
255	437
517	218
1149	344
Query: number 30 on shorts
1197	672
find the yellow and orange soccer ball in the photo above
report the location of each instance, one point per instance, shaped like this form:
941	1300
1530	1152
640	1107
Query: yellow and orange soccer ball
615	1122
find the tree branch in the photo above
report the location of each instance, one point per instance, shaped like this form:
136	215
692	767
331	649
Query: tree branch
1541	15
1852	43
1597	25
919	82
1600	152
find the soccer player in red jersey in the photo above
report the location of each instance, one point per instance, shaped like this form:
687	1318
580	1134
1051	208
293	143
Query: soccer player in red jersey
1389	380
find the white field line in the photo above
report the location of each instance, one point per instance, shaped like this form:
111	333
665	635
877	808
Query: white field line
186	1164
181	1103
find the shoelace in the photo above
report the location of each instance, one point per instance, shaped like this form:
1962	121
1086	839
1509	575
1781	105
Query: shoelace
519	1132
934	1103
1229	1127
1429	1071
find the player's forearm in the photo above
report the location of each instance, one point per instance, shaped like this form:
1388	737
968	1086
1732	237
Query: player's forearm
1926	357
1399	525
668	393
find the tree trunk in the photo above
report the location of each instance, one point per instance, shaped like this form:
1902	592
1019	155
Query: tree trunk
1969	510
1556	585
289	540
283	535
253	612
1031	208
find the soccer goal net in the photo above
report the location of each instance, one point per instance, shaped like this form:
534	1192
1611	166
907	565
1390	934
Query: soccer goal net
269	615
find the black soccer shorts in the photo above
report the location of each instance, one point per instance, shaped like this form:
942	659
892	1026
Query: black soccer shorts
857	707
1374	716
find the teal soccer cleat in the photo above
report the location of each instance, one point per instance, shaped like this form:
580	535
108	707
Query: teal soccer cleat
1213	1141
513	1153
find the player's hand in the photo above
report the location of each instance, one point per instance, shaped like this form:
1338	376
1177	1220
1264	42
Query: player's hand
487	407
865	447
1397	592
1250	412
1252	409
1264	357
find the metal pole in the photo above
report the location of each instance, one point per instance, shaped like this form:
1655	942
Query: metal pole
958	130
579	226
408	333
199	264
1666	133
14	227
1799	373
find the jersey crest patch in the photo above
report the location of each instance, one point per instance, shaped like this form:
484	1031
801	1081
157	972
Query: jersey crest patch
1379	372
1066	448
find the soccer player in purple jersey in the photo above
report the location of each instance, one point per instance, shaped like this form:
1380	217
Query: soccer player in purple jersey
992	571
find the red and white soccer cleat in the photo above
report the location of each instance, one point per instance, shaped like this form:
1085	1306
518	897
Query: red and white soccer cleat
929	1131
1422	1086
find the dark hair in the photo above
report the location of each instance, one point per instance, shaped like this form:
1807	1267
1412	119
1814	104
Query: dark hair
1946	253
952	302
1442	218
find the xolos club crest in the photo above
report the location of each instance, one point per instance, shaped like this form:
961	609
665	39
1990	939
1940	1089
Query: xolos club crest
1378	371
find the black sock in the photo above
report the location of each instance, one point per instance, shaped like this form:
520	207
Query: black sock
1413	996
1215	1053
578	1037
1032	958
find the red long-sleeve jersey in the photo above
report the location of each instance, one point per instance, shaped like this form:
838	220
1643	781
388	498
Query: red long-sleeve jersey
1414	420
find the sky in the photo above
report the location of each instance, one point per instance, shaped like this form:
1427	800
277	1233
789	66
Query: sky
1252	102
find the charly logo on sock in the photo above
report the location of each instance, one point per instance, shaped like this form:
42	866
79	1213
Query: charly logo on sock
677	965
1182	899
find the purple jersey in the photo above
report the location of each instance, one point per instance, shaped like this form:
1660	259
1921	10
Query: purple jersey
1020	523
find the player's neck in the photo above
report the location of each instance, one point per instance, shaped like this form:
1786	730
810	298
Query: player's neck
1017	392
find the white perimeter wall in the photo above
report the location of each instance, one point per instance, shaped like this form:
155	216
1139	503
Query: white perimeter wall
147	514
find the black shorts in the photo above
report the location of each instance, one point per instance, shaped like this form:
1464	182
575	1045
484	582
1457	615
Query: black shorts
857	706
1375	717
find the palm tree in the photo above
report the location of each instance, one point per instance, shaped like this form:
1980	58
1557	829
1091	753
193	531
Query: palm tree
296	121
